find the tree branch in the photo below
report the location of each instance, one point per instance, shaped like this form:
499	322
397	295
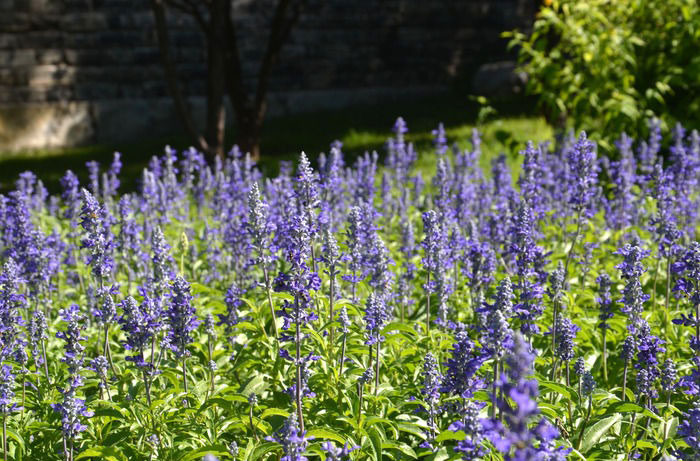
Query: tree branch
191	8
280	29
158	8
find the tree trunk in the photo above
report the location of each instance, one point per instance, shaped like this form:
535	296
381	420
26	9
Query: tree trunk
249	123
216	77
181	107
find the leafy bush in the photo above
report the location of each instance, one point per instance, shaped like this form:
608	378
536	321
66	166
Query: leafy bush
610	65
363	312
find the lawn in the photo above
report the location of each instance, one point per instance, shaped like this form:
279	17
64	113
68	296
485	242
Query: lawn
360	128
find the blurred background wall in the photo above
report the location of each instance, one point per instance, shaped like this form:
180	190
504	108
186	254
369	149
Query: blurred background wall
85	71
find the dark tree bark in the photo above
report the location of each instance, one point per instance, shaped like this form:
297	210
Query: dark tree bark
171	79
225	74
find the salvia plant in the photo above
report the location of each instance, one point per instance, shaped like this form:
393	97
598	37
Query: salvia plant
349	309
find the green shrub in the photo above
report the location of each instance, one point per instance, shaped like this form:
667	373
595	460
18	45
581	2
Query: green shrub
608	65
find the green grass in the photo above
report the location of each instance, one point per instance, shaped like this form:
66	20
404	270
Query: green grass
360	128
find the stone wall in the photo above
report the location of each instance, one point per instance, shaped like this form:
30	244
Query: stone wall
77	71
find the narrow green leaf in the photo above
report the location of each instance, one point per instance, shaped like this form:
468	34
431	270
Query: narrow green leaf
595	432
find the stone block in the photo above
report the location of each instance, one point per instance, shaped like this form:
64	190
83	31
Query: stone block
84	21
34	126
22	58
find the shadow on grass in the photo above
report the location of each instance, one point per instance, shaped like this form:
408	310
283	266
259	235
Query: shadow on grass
360	128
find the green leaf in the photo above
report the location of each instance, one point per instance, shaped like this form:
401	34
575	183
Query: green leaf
565	391
103	453
325	433
262	450
376	442
216	450
595	432
274	412
402	447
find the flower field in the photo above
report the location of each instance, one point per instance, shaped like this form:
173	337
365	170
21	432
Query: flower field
364	310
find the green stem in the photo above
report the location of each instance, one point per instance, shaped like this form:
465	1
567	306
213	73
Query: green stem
427	306
342	356
300	413
184	373
585	422
331	301
269	299
605	356
4	435
252	426
376	373
573	244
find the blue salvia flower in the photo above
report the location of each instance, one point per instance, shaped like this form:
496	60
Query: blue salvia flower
436	262
94	176
378	262
528	256
334	453
258	225
298	281
687	284
514	438
664	222
566	334
460	377
649	347
361	179
110	179
358	235
669	376
471	446
400	155
581	160
37	335
100	365
478	265
633	297
97	238
440	139
129	239
376	316
648	150
605	302
234	301
530	180
293	440
431	394
332	187
689	429
628	348
11	302
588	384
442	185
497	337
72	409
7	393
71	196
161	261
621	210
181	317
140	323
